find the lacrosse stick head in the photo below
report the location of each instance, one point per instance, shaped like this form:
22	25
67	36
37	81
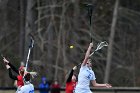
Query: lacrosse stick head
90	9
33	74
101	45
31	42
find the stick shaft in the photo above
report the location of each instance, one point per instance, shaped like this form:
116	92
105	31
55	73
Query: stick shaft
91	53
78	64
29	51
90	9
27	60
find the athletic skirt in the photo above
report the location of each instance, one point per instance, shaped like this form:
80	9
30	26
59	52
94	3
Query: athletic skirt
80	90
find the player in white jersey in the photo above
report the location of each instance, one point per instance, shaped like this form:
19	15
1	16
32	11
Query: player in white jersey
28	87
86	75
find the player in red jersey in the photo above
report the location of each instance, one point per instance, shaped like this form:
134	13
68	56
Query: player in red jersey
71	81
20	72
28	86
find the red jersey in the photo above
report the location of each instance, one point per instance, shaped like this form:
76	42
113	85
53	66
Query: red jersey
70	87
20	80
55	88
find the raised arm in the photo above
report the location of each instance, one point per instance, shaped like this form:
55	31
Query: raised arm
71	73
11	66
87	54
10	73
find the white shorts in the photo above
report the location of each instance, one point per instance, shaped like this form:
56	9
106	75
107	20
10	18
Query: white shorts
82	91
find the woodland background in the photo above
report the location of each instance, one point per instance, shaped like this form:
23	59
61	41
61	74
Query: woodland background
58	24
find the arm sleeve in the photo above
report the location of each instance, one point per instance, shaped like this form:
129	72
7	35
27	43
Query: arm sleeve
13	68
70	76
11	75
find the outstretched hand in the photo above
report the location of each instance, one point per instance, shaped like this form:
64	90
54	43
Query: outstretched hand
5	60
75	67
108	85
7	66
91	44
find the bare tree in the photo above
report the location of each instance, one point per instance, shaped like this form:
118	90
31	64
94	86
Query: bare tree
22	29
111	40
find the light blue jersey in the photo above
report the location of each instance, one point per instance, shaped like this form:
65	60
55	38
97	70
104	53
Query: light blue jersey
29	88
84	78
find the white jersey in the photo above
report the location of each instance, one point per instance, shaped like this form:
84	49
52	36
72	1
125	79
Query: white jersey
28	88
84	77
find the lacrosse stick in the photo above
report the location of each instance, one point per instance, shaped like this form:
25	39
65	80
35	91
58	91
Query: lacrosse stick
78	65
90	9
99	46
33	74
30	47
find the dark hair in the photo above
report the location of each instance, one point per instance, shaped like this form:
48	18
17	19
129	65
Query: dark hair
27	77
76	76
21	70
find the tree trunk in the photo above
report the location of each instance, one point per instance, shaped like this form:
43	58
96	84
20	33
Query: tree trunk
29	24
22	29
4	10
111	40
61	29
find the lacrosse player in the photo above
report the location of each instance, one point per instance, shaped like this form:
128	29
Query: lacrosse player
71	81
20	72
28	87
86	75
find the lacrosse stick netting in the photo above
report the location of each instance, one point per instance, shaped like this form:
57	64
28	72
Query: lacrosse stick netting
99	46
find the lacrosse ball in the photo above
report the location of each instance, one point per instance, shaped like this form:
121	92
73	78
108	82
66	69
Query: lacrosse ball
71	46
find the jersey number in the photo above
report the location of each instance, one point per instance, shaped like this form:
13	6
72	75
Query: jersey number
89	76
31	91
